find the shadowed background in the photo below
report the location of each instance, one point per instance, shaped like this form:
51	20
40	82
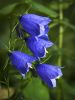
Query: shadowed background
62	33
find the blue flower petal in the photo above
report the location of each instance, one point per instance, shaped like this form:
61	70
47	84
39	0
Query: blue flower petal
44	34
46	29
52	71
21	61
53	82
34	24
43	30
37	19
30	27
38	46
45	37
48	73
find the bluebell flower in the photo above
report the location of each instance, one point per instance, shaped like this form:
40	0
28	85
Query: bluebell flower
35	25
45	37
21	61
38	46
48	73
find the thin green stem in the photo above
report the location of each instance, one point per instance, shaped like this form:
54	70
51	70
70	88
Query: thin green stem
24	44
14	43
26	12
60	32
6	63
8	87
8	58
46	60
60	41
14	27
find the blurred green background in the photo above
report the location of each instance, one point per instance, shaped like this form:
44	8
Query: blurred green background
62	33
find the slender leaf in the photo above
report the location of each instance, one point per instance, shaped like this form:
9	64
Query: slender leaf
8	9
44	10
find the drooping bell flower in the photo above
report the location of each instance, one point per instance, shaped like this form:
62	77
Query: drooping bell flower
21	61
48	73
38	46
35	25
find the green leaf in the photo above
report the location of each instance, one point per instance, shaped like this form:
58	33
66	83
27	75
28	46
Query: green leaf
36	91
66	23
52	25
44	10
8	9
55	5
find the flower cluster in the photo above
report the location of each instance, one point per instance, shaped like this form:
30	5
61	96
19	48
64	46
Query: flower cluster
37	41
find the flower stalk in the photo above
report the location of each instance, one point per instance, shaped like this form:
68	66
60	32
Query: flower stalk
60	31
60	45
